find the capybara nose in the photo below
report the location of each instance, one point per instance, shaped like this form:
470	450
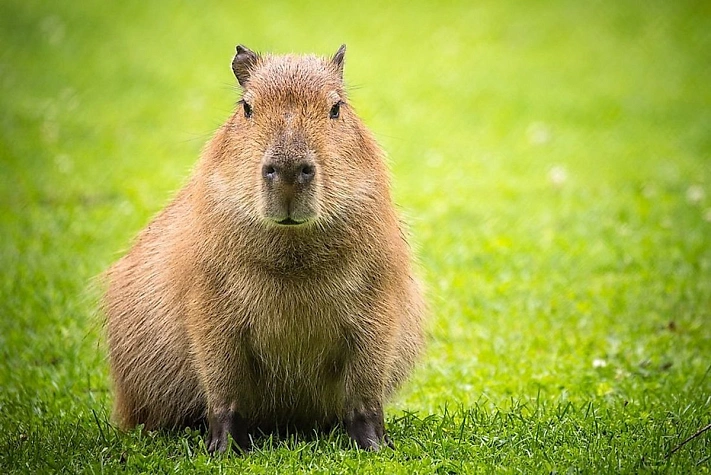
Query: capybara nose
292	172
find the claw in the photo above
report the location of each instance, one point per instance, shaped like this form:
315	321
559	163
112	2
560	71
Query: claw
367	428
226	427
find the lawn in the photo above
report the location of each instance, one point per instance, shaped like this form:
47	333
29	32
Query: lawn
553	159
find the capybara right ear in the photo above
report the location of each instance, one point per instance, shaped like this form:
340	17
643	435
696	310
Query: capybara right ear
339	58
243	63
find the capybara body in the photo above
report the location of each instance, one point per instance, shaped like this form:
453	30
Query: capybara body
276	289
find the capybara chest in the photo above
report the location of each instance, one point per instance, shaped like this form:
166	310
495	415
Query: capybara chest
297	365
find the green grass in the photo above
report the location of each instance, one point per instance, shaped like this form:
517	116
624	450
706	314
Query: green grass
552	157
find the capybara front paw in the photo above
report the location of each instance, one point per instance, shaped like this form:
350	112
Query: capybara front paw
225	427
367	428
217	443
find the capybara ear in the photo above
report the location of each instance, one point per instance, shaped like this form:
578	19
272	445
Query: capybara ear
339	58
243	63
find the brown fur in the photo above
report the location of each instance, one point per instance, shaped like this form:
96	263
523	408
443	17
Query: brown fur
219	311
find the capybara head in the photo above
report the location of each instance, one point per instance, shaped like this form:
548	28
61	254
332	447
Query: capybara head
294	153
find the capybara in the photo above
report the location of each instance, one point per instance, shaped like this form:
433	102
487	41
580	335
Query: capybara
276	289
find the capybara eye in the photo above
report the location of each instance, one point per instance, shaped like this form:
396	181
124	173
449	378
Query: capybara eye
335	110
247	110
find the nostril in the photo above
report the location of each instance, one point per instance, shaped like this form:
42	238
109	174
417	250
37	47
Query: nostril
307	173
269	172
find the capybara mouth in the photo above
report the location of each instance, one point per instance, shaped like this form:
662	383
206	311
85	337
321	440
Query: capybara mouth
290	222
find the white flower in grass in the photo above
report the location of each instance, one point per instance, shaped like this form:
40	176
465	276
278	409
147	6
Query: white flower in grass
557	175
695	194
599	363
538	133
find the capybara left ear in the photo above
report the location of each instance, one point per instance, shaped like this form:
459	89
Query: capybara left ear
242	64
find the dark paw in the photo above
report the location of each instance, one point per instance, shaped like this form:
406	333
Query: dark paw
367	428
217	443
227	428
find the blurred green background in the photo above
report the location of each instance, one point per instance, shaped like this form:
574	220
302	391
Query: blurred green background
553	159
